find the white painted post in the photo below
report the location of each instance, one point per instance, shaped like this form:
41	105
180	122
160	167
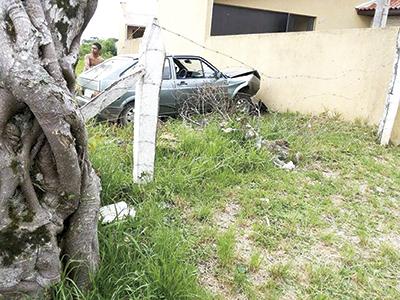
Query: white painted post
152	56
381	13
392	104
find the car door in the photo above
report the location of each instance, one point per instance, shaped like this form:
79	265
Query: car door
192	75
167	98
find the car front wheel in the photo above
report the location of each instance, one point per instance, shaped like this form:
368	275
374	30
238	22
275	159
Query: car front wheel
244	103
128	114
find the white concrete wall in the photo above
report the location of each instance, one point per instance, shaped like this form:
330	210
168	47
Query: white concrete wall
344	71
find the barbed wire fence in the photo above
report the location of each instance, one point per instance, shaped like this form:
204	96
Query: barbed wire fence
248	124
264	76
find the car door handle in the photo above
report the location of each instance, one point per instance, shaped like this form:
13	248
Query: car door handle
182	83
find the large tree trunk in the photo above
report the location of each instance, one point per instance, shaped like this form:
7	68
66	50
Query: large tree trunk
49	193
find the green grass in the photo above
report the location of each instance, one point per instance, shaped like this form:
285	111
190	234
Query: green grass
226	247
255	261
80	66
327	230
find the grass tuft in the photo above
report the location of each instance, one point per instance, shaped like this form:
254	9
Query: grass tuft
226	247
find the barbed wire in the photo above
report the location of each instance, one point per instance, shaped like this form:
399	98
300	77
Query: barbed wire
264	75
218	52
203	46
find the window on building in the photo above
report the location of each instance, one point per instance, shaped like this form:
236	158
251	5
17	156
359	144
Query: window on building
232	20
134	32
300	23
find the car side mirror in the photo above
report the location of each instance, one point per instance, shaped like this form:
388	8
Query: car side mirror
218	75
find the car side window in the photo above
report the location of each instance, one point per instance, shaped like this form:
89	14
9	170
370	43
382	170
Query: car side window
188	68
208	72
167	70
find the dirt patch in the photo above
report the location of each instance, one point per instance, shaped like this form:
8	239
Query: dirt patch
337	200
214	282
244	244
330	174
227	217
324	254
208	276
390	239
245	248
289	295
209	280
345	235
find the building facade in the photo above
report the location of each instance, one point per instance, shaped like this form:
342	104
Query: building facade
313	56
200	19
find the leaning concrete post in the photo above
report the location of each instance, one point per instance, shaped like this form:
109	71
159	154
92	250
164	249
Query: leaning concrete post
152	56
108	96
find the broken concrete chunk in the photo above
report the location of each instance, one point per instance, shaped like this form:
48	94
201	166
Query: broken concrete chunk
290	166
228	130
278	147
116	212
363	188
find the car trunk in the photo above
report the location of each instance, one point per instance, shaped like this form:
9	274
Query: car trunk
100	77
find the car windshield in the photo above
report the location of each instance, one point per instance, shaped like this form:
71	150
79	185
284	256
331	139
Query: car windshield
110	66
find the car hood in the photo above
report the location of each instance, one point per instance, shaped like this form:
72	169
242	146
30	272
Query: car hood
240	71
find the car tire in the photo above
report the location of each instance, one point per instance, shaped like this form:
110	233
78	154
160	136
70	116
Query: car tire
244	103
127	115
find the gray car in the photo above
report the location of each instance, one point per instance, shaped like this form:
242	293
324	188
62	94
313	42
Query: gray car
182	76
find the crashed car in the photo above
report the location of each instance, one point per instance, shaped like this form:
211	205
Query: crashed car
182	76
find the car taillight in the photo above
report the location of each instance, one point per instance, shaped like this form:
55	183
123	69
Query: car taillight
95	94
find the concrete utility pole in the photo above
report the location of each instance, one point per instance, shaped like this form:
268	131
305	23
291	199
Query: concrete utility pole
381	13
148	78
392	103
151	57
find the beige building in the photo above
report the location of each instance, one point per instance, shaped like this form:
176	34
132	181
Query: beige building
314	56
199	19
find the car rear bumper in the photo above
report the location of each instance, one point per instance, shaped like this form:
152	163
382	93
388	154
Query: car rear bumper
109	113
81	101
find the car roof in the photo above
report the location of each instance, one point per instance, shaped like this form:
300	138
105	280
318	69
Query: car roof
135	56
178	56
181	55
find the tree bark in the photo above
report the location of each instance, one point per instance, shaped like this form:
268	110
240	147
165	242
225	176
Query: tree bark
49	193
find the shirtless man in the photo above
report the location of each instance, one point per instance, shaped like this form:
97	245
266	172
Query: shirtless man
94	57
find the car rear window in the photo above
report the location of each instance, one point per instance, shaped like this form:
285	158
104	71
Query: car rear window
110	66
